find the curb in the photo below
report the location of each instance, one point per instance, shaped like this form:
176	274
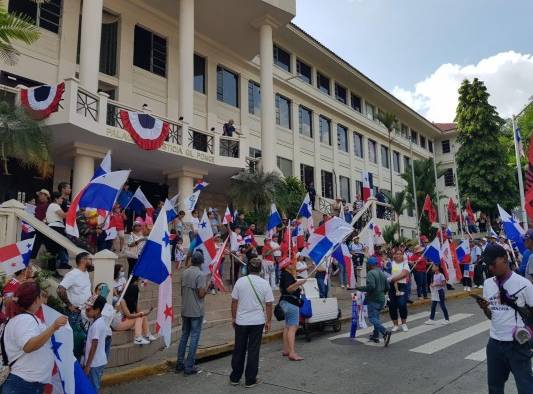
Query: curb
163	366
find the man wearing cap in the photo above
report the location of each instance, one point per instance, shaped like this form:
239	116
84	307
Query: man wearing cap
504	353
251	312
376	287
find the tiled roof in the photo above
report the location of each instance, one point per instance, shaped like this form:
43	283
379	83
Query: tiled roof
444	127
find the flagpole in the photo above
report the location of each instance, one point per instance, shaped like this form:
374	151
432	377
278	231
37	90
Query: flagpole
520	180
124	291
458	194
438	195
414	187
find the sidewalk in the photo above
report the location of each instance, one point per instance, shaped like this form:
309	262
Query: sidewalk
217	340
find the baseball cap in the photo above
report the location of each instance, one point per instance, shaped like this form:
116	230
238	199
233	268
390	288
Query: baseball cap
528	234
44	191
373	260
492	252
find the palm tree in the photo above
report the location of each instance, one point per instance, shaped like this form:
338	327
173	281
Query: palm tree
290	193
398	205
390	121
21	138
15	27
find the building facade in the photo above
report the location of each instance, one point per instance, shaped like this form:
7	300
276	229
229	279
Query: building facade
300	108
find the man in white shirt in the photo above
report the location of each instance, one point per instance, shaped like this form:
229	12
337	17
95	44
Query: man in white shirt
75	288
251	311
500	294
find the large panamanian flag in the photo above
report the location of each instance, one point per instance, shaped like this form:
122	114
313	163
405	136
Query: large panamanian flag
16	257
323	241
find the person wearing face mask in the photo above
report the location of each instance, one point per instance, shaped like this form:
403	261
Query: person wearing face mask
75	288
119	281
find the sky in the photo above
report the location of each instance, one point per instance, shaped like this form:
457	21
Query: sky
421	50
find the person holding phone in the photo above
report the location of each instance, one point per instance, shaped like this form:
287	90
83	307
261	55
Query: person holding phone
505	354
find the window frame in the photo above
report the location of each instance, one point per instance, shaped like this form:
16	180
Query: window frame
414	136
37	21
153	35
251	98
279	161
348	184
220	71
430	146
374	144
386	156
331	190
204	59
320	76
300	123
276	51
396	159
422	141
448	144
278	97
362	147
343	129
448	174
367	107
328	121
338	86
299	63
360	107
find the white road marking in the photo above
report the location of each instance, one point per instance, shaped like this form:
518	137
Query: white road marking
413	332
480	355
452	339
365	331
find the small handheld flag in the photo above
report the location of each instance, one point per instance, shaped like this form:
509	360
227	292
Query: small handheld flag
16	257
201	185
432	251
104	167
274	219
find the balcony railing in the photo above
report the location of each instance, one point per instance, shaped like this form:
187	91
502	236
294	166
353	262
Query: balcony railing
87	104
229	147
201	141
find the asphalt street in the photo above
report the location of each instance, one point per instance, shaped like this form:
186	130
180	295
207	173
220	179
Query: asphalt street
426	359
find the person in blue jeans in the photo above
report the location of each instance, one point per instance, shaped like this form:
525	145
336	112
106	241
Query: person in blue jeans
438	287
194	287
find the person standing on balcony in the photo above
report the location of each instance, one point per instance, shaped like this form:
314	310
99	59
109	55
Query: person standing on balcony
64	189
43	200
194	287
312	194
228	129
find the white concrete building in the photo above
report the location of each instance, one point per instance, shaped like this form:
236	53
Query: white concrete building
197	64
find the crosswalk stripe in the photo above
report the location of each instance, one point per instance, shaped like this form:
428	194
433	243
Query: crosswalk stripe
480	355
452	339
365	331
401	336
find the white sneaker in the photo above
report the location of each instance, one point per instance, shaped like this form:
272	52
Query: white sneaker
404	328
430	322
469	289
141	341
213	292
395	328
445	322
464	288
342	287
150	338
480	287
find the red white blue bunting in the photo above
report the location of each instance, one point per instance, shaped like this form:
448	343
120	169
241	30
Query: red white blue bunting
39	102
148	132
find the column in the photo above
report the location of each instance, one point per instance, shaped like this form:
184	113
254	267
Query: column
318	168
125	82
295	140
185	179
268	131
186	61
83	172
91	31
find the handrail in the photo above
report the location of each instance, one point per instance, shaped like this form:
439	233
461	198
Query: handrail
366	206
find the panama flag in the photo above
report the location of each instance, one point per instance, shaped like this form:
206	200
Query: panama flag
343	257
214	267
174	200
104	167
297	235
274	219
366	191
519	144
228	218
205	242
492	233
191	201
170	211
449	232
100	193
512	229
323	241
447	262
139	202
306	212
154	264
463	250
67	375
16	257
469	271
432	251
200	185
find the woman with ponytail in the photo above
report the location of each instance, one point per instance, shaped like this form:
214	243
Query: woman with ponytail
25	343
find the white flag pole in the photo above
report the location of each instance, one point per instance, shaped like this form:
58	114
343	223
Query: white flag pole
520	180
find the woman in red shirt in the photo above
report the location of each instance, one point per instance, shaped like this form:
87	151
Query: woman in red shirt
420	272
117	220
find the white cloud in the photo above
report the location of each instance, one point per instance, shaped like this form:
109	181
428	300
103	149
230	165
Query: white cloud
507	75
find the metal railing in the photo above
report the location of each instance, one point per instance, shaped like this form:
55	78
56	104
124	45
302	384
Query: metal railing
87	104
325	206
229	147
201	141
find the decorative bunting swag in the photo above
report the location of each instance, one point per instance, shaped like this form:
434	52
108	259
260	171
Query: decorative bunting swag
39	102
148	132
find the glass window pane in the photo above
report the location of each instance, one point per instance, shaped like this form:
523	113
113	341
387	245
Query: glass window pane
344	185
325	130
327	184
370	111
283	111
199	73
306	122
446	146
25	7
430	146
384	156
358	145
304	71
322	83
142	44
227	86
285	165
340	93
342	138
422	141
396	161
355	102
372	154
254	98
282	58
414	137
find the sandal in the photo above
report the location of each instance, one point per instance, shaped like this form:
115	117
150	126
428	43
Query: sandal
298	358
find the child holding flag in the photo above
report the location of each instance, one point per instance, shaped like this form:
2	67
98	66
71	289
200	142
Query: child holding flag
437	295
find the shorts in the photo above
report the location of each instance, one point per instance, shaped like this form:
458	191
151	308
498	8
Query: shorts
292	313
95	376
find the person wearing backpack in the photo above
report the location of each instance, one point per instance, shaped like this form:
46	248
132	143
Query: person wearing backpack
25	343
376	288
251	311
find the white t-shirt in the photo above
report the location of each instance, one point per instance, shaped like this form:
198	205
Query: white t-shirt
78	286
107	315
503	319
397	268
276	249
52	218
35	366
195	222
97	330
301	265
249	311
118	285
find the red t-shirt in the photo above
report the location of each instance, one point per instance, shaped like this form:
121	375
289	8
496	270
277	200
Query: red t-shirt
11	287
117	221
421	265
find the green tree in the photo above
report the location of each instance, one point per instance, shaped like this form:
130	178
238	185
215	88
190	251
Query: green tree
525	123
289	194
398	205
15	27
390	121
21	138
483	175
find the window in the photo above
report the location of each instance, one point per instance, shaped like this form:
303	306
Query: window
385	156
327	184
358	145
430	146
370	111
340	93
149	51
255	153
199	73
359	189
285	165
414	137
282	58
372	151
422	141
283	111
307	174
304	71
322	83
449	178
355	102
342	138
45	15
227	86
404	131
406	164
325	130
306	121
344	186
396	161
254	98
108	44
446	146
